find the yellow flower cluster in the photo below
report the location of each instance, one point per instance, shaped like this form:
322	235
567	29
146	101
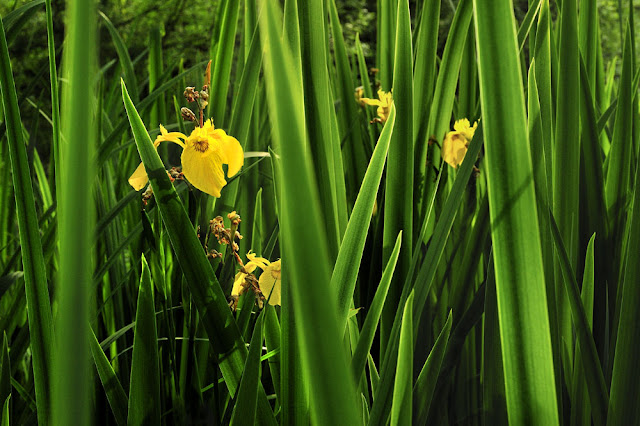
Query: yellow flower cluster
269	281
456	143
205	150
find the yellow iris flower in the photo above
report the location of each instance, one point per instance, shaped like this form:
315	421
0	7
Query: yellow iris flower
205	150
269	282
383	103
456	143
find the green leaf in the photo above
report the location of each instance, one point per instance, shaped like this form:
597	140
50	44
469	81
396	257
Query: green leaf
345	271
304	244
520	282
221	65
398	201
370	325
625	387
118	400
123	56
144	390
426	382
5	370
403	388
35	277
244	412
5	412
597	387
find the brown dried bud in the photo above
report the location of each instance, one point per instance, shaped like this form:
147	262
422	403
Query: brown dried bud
187	114
191	94
203	100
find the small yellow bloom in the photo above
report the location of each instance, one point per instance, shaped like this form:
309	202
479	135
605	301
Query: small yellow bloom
456	143
204	153
254	262
383	103
270	283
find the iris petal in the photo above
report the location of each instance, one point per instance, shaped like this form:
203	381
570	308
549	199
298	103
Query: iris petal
203	171
270	283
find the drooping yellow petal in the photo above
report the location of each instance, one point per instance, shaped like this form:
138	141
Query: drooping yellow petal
237	283
139	178
261	262
270	283
203	169
454	148
235	156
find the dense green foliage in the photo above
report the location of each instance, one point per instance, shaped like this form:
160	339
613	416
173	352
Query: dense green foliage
402	212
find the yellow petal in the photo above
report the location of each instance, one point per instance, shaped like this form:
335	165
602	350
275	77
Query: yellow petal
270	283
139	178
233	153
203	170
454	148
463	126
237	283
373	102
261	262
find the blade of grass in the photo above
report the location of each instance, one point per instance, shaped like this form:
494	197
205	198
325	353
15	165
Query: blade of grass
566	154
123	56
597	387
370	325
403	388
581	415
272	339
303	244
345	272
144	390
118	400
70	391
625	388
5	370
324	143
55	103
398	201
425	67
426	381
522	307
244	411
35	277
221	72
493	393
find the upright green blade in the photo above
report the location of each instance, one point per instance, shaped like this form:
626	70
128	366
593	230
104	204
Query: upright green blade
35	277
70	391
144	390
522	307
403	389
304	245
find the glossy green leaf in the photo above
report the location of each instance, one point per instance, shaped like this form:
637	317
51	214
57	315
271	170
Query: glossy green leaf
345	271
403	388
35	277
118	400
426	381
244	412
520	282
